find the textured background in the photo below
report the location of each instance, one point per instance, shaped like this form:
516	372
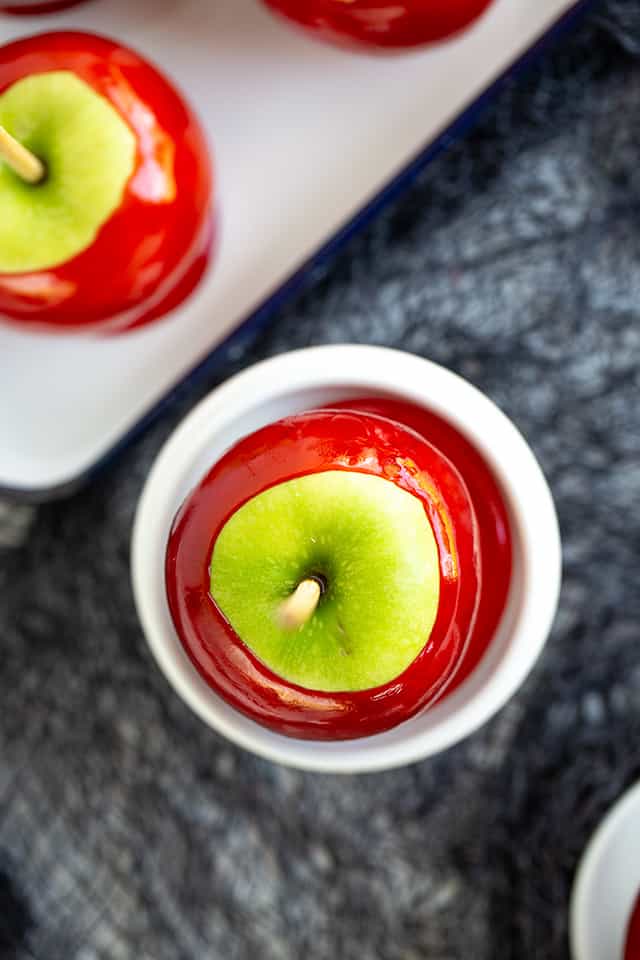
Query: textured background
128	830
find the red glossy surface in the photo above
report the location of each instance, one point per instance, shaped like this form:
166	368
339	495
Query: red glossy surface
382	23
632	949
151	253
494	537
52	6
344	440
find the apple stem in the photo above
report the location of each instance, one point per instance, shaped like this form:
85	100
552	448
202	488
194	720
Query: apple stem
22	161
299	607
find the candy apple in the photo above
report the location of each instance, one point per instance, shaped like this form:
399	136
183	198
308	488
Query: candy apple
324	577
110	225
379	23
632	949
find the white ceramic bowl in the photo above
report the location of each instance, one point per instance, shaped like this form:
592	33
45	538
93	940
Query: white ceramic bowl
297	381
607	883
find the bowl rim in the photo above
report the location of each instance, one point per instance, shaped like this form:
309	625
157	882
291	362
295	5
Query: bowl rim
588	878
362	370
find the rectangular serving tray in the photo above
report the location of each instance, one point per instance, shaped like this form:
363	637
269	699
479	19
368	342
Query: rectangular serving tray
309	141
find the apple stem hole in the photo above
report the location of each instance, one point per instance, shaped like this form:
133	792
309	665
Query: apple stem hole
298	608
321	581
23	162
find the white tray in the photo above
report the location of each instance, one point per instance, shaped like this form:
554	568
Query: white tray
304	136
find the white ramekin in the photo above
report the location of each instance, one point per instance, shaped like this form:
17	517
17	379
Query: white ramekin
607	883
298	381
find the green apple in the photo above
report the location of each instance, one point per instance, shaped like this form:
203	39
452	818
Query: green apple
369	543
89	154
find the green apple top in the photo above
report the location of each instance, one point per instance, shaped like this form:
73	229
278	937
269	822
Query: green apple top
54	115
367	542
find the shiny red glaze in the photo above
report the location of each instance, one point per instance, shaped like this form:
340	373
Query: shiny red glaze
29	9
151	253
309	443
382	23
494	536
632	949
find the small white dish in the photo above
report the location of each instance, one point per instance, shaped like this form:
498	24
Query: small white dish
315	377
607	884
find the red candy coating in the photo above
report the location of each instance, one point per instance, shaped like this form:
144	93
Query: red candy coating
632	949
371	443
381	23
46	6
494	536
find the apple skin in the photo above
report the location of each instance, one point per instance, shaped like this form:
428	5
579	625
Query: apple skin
47	6
379	23
632	949
151	253
306	444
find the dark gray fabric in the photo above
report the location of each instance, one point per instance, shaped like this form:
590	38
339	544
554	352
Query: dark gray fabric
128	830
